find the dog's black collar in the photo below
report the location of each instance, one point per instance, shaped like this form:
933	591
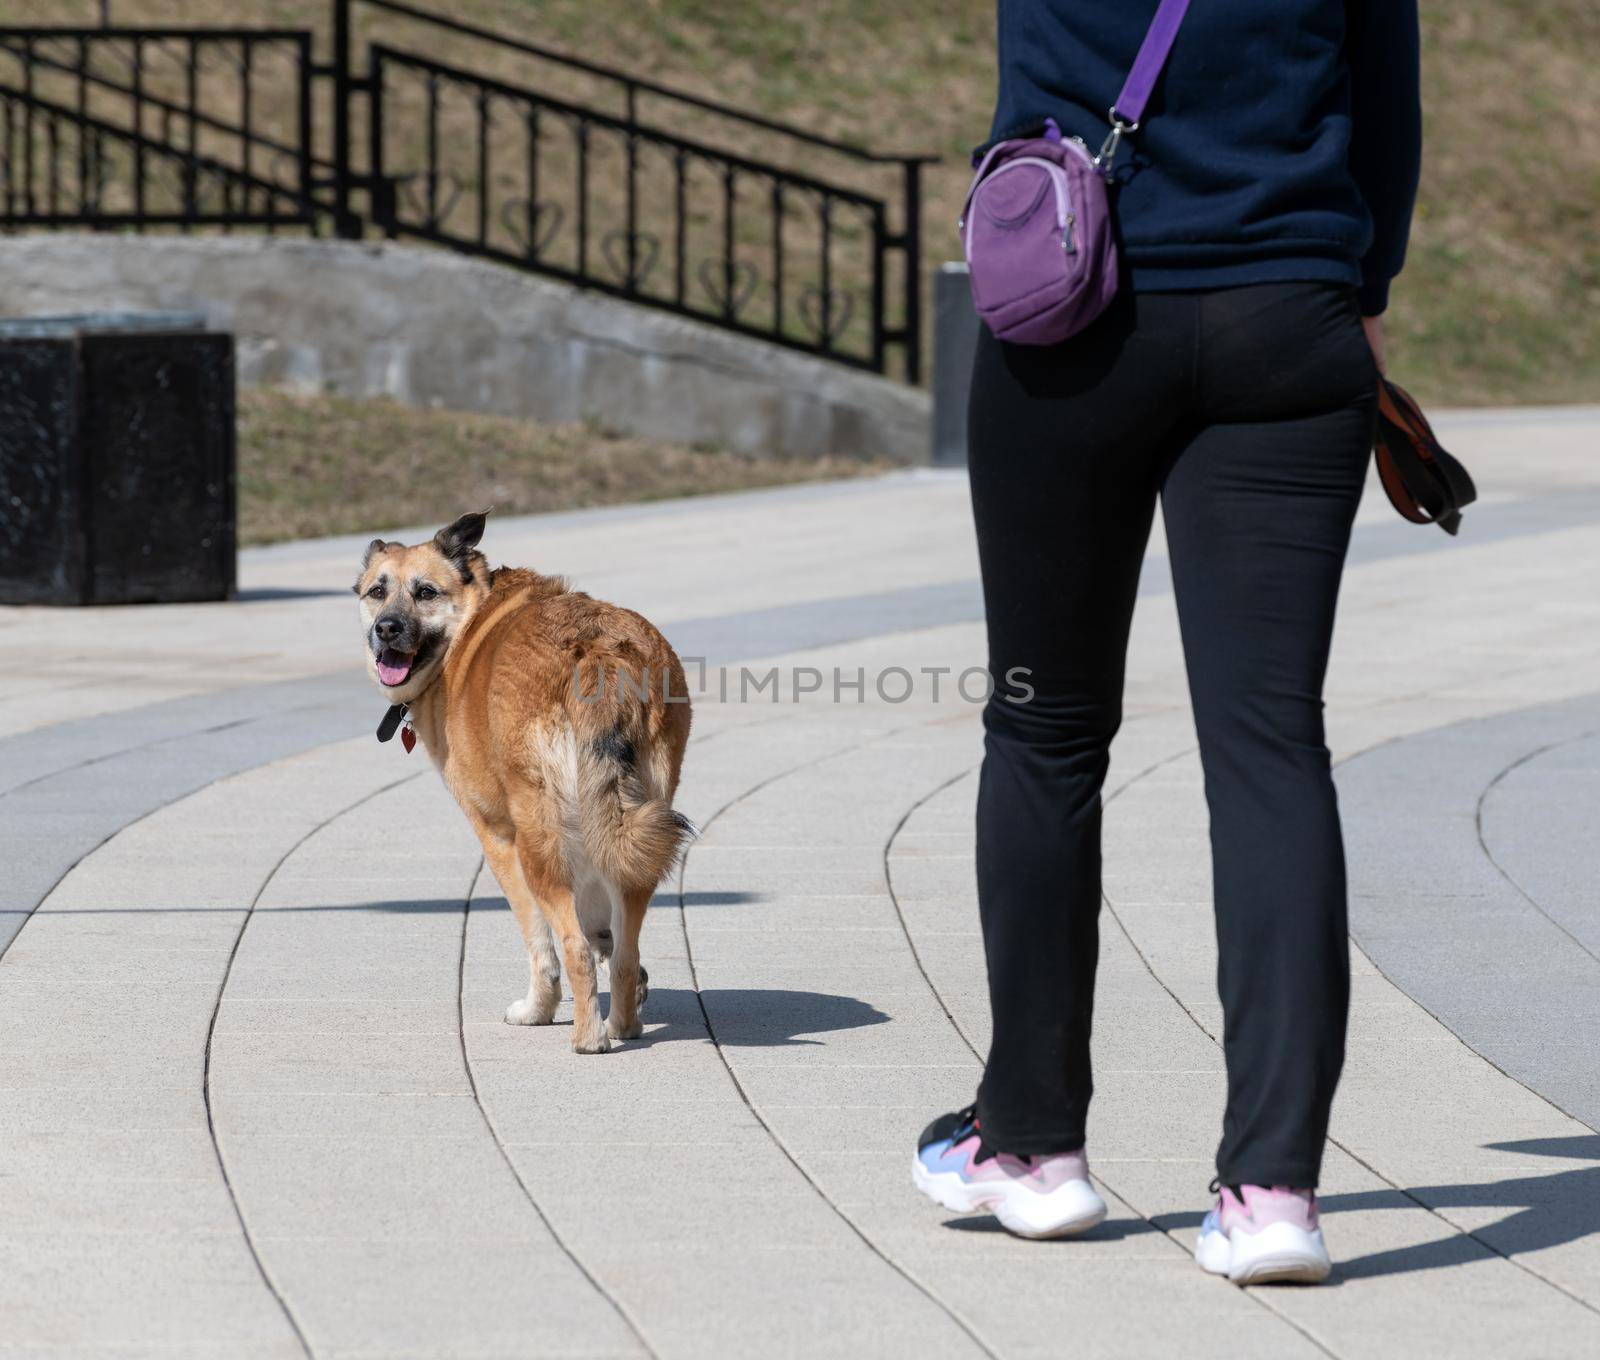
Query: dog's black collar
391	722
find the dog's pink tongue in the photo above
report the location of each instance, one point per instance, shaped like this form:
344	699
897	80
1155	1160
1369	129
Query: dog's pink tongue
393	667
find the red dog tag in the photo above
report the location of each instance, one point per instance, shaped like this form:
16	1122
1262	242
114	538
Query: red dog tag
408	738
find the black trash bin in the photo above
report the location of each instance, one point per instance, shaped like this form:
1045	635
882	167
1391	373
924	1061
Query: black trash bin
116	460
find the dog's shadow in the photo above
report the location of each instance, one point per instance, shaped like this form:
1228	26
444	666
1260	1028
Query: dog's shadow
754	1017
739	1017
451	906
749	1017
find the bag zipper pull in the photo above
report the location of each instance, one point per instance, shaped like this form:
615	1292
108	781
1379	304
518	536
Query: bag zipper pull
1067	243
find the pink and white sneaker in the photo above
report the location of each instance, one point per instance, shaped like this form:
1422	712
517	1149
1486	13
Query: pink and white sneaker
1261	1234
1031	1196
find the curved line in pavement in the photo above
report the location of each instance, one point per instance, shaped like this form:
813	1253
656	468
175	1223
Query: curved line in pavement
211	1029
172	719
483	1110
950	1312
104	840
100	757
218	770
1433	1015
1499	868
494	1133
1170	1233
1344	1148
894	897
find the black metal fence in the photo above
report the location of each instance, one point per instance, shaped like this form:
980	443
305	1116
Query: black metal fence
125	127
513	152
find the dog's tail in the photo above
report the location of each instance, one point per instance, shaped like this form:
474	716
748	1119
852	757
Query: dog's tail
631	833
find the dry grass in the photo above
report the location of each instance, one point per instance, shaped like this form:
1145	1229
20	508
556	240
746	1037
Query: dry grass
1501	301
324	465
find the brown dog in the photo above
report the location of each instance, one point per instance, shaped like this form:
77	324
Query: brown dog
559	723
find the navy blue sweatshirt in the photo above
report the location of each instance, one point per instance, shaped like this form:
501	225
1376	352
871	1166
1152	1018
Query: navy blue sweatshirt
1283	140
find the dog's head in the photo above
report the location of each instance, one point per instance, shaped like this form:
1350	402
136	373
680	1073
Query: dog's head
414	600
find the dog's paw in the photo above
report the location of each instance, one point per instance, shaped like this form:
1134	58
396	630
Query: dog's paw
617	1030
526	1011
600	1044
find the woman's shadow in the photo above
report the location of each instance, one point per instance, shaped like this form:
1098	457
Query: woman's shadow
1547	1211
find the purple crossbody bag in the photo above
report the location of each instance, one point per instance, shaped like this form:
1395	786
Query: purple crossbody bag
1036	228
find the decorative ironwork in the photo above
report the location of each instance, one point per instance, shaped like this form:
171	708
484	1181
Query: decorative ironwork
120	127
148	128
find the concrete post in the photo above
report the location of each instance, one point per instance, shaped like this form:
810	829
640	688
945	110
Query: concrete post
955	338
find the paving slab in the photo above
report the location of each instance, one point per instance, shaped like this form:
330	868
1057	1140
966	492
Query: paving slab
366	1161
118	1218
380	1241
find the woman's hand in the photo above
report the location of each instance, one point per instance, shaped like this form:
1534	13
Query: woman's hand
1373	326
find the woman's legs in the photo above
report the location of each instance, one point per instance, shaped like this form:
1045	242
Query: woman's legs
1252	408
1258	507
1066	445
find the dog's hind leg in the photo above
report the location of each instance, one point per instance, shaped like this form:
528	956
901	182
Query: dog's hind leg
555	896
587	1035
596	914
544	970
630	984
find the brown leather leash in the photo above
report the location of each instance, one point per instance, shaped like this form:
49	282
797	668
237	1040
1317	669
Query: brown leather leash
1426	484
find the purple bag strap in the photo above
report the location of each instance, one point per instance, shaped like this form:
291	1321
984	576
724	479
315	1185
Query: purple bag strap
1126	114
1153	53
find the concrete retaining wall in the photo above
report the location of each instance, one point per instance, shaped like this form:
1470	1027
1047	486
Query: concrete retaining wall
429	328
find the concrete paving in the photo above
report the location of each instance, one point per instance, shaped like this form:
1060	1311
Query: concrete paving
256	1096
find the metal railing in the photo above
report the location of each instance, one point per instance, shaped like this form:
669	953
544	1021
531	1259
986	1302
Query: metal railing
513	152
115	128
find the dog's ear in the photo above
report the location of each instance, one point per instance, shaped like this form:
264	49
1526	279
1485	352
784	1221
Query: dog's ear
462	536
373	549
457	541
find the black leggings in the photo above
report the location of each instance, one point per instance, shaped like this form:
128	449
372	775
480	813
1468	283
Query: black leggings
1250	412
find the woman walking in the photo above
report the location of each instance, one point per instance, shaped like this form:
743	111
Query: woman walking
1262	207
